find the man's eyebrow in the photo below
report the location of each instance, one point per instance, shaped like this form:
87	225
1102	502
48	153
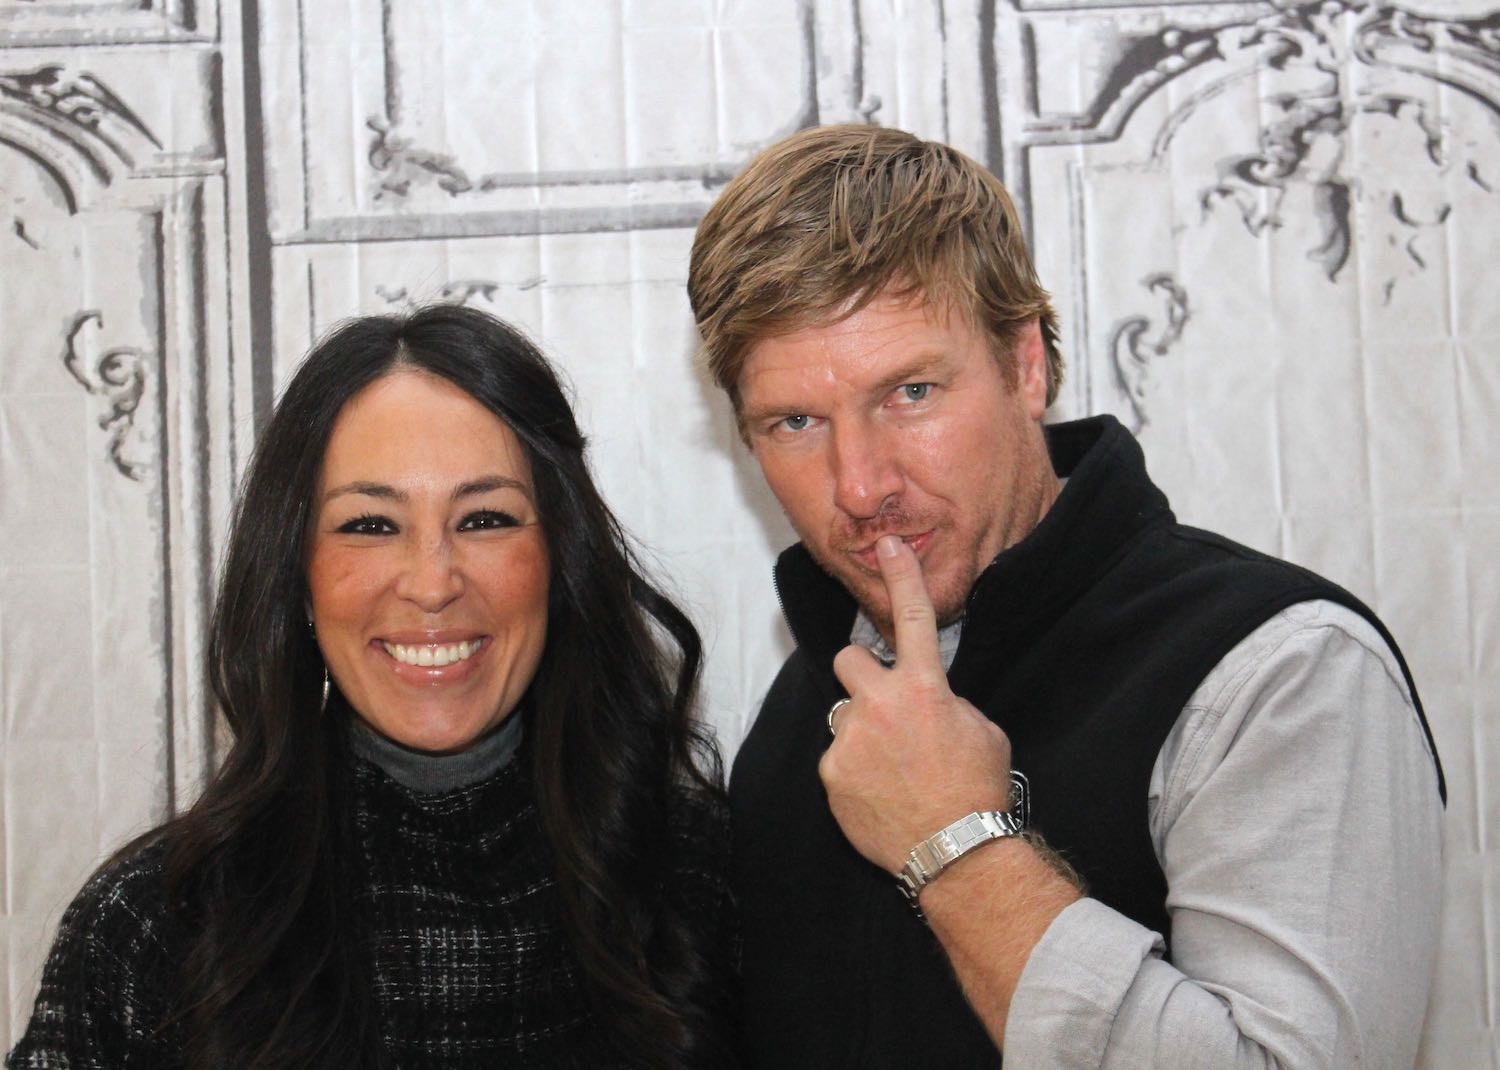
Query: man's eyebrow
747	414
483	485
911	371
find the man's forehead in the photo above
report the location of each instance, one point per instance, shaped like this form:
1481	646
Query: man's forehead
884	331
908	303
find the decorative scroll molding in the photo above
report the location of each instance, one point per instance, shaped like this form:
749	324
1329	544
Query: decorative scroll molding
1289	156
119	377
459	291
78	116
1325	73
400	166
1132	352
1328	35
1307	142
18	228
78	98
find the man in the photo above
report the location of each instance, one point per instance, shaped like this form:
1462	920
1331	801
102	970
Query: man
1233	857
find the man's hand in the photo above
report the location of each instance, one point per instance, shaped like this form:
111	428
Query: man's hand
910	756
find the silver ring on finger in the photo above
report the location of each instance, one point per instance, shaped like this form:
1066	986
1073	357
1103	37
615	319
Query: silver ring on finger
840	704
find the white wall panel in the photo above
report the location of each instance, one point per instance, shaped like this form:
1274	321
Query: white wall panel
118	409
1269	232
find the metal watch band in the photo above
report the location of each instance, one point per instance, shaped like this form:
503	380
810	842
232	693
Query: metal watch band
940	850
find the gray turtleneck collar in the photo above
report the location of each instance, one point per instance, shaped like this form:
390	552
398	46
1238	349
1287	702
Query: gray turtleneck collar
432	773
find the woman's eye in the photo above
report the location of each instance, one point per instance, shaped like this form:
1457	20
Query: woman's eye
910	392
487	520
367	525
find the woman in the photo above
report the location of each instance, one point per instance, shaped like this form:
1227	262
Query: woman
467	818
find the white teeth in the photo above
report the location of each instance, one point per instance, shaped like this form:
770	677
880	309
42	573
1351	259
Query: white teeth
436	655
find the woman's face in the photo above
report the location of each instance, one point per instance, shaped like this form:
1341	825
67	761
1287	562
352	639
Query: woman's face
427	568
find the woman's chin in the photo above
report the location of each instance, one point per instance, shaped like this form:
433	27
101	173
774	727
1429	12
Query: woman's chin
429	737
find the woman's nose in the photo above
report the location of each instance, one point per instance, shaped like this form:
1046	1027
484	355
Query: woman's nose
431	577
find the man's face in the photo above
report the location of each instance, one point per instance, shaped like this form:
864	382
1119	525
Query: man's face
899	420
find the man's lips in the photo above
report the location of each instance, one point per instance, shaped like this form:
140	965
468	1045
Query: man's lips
868	558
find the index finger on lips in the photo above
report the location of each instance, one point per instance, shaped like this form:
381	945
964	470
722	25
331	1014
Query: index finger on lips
912	615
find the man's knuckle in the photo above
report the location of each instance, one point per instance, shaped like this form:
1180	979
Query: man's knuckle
928	685
914	612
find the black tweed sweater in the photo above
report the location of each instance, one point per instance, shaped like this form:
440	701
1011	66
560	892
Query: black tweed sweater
469	965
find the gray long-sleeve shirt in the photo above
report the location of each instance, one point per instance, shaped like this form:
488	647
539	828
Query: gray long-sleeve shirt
1294	810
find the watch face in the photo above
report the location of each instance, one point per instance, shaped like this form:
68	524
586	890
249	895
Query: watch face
1020	798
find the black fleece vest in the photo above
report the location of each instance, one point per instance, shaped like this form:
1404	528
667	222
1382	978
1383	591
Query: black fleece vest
1083	642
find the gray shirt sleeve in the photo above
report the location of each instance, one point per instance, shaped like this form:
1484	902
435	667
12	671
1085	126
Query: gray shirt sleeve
1295	813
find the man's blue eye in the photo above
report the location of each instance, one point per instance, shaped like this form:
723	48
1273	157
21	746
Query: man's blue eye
915	391
795	423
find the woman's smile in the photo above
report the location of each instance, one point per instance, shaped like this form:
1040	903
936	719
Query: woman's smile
436	655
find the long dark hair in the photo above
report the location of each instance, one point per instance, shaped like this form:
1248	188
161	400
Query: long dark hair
262	863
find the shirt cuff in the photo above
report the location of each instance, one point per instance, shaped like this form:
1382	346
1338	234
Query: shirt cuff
1071	989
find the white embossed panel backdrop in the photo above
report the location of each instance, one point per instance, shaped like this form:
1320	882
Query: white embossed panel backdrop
1269	228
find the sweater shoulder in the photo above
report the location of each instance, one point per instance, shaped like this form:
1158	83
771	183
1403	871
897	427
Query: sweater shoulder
118	917
104	988
126	889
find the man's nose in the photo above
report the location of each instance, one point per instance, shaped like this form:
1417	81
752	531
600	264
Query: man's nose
431	577
866	470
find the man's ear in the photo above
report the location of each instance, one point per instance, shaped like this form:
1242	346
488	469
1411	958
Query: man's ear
1030	356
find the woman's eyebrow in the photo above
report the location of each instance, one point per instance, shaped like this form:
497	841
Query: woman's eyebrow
371	490
467	489
490	483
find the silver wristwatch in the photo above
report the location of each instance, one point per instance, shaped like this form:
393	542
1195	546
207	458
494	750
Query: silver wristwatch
940	850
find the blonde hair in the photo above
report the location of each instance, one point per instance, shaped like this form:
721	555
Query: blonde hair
821	223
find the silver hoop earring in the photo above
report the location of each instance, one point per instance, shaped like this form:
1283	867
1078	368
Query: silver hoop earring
324	707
